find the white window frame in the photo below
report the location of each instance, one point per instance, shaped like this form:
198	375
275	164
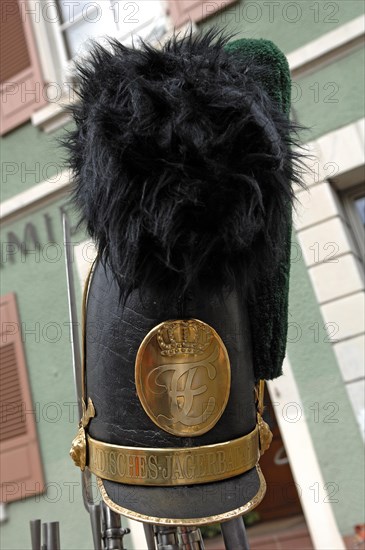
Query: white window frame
57	68
56	65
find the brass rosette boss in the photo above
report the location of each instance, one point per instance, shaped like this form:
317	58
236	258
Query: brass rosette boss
265	434
78	449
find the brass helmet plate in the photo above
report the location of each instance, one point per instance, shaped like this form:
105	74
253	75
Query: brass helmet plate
183	376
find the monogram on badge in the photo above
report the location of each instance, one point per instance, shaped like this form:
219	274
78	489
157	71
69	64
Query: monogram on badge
183	376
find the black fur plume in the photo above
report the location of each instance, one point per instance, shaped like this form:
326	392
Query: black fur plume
183	164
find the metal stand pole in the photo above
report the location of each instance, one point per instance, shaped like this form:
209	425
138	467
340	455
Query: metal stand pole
150	536
234	534
35	533
113	532
95	512
44	536
53	536
50	535
166	537
190	538
178	538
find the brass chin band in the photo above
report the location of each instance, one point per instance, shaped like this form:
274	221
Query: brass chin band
173	466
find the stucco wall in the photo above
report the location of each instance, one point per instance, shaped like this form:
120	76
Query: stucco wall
331	97
327	408
29	156
290	24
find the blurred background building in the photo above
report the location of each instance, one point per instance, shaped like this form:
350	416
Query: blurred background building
315	467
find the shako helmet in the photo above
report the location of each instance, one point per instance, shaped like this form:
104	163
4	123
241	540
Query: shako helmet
183	169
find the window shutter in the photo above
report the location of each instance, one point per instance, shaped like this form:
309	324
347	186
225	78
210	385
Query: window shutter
21	85
182	11
20	461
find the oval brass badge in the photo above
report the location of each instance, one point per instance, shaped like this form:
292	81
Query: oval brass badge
183	376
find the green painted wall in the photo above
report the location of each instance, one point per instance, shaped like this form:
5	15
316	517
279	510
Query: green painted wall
288	24
327	408
331	97
40	285
29	156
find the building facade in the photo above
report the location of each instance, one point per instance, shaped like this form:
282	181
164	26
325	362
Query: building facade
319	402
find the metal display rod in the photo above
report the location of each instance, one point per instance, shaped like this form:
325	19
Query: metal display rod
50	539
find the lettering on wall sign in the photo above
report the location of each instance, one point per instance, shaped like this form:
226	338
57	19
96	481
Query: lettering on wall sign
17	248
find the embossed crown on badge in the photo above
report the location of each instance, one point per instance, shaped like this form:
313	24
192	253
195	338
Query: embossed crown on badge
184	337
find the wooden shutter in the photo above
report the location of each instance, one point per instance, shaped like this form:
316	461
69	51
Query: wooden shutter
182	11
20	461
21	84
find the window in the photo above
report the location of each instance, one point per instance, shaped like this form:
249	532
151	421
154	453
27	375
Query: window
354	203
52	33
72	24
21	80
77	22
183	11
20	461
